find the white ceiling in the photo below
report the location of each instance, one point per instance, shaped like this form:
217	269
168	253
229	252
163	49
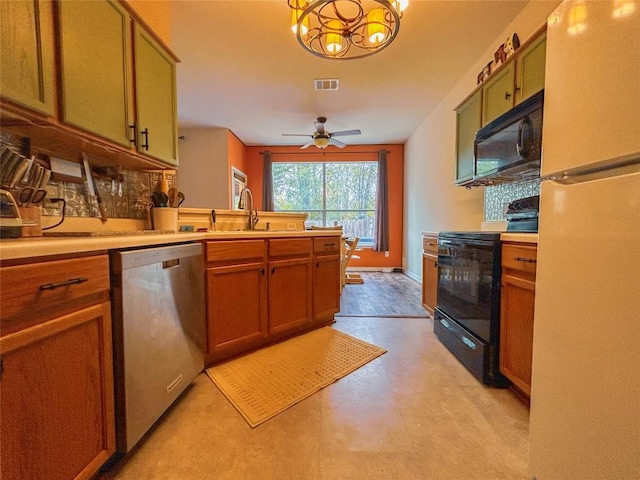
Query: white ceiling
242	69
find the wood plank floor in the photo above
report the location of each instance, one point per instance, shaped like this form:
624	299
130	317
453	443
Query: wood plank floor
383	295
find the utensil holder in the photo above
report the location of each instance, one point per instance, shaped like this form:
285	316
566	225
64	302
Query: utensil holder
165	218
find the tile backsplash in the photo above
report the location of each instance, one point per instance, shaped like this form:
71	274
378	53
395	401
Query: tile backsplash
498	197
127	200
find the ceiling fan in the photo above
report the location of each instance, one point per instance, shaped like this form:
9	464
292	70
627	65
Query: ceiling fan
322	138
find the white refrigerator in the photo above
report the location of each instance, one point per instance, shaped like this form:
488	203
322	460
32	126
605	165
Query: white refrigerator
585	393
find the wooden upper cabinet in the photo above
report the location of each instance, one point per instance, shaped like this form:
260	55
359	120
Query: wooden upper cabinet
95	39
468	123
156	105
26	63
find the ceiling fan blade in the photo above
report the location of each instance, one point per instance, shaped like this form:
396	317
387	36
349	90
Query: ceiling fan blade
337	143
296	135
346	132
307	145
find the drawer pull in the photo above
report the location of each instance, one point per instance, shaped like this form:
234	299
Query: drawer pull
71	281
524	259
329	245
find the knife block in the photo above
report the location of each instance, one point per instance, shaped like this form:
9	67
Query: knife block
31	221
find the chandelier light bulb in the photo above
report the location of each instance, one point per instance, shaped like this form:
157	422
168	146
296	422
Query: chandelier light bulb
376	26
334	36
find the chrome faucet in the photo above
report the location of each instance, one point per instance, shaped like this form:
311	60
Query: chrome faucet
245	204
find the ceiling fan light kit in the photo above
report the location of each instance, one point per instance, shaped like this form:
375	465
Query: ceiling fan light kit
346	29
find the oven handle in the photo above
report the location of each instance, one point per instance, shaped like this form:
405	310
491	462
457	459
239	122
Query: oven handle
464	243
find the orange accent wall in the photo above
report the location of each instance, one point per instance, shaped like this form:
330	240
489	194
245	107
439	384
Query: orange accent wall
253	167
237	157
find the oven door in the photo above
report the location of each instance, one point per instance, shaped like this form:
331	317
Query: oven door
468	282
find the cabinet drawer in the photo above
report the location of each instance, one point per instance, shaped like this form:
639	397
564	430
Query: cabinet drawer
326	245
430	245
520	257
282	247
38	290
235	250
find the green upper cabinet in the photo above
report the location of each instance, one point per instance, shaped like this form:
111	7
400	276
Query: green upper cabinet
530	68
26	63
468	123
498	93
155	74
95	45
516	80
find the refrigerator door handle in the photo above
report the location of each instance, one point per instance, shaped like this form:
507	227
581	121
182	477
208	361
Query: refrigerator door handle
625	165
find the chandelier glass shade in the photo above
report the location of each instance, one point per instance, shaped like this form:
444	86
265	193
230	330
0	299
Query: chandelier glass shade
345	29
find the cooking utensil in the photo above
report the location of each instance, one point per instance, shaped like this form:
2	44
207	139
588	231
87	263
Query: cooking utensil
27	173
20	168
9	167
213	219
180	198
44	180
93	188
173	197
30	196
159	199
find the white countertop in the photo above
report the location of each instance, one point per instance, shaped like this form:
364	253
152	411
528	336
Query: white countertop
33	247
428	233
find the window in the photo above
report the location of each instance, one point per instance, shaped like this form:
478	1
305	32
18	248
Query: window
330	193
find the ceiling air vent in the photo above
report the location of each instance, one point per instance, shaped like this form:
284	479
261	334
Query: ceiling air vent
326	83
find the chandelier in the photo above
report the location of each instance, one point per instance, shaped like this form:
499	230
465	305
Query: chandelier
346	29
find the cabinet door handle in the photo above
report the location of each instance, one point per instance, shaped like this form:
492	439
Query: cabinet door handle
145	141
71	281
517	89
524	259
507	95
133	138
273	270
262	271
318	264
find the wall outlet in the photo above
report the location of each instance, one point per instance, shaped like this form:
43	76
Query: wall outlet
386	254
291	226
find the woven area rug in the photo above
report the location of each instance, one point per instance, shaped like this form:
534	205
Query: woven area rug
264	383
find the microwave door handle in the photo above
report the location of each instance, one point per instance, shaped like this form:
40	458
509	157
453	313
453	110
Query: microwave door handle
524	146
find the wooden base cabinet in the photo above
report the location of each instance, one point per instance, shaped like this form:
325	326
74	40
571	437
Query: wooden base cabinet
263	291
56	381
429	272
326	278
237	297
517	299
290	287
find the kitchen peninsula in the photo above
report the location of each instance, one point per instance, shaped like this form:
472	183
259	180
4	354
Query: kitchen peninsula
261	287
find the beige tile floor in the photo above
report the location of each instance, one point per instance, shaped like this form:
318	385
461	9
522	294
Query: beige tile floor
413	413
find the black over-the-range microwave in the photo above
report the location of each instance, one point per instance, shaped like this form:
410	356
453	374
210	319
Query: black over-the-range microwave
509	148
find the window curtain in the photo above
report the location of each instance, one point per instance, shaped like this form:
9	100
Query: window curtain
267	182
381	235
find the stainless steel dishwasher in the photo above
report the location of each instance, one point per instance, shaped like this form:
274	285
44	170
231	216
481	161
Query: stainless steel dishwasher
158	332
